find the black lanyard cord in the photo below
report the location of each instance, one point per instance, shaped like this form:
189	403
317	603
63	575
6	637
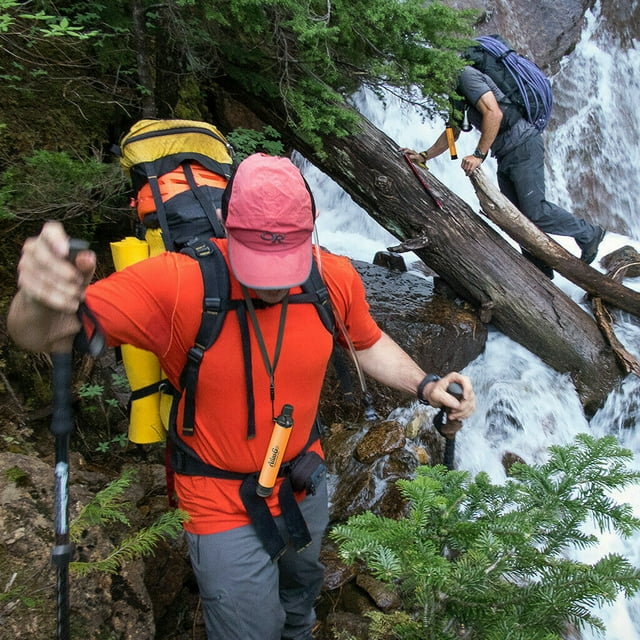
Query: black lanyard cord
270	368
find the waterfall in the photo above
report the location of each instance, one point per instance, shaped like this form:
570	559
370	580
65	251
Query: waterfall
593	154
594	144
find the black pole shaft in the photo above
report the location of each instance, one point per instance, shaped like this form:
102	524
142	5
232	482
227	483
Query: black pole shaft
449	452
61	425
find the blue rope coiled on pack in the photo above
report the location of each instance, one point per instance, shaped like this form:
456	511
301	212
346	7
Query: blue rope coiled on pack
526	75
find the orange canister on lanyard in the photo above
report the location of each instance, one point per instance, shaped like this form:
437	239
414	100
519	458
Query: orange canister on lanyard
451	141
275	451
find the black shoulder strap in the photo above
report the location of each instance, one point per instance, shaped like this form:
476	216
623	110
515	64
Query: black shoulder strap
315	290
159	204
217	301
216	225
215	278
316	285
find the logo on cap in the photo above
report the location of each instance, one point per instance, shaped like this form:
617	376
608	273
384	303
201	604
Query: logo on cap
273	238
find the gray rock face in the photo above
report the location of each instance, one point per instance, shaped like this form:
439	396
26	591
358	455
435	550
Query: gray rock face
544	30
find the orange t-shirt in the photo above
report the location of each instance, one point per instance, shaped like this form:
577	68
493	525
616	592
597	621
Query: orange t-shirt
156	304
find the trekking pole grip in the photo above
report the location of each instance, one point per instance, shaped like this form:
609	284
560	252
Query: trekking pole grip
449	428
455	390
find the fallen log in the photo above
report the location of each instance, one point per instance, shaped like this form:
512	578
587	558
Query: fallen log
460	246
503	213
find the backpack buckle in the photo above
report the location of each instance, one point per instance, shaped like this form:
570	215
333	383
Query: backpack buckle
212	305
199	248
195	354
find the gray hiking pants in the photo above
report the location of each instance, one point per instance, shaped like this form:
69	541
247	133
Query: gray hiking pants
245	595
521	180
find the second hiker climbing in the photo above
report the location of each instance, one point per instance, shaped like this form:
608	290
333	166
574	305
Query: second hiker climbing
518	147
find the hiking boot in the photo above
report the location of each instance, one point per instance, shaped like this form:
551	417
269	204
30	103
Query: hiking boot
590	250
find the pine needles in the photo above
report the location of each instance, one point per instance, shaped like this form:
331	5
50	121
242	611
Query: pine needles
491	561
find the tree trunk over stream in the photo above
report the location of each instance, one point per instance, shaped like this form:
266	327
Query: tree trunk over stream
456	243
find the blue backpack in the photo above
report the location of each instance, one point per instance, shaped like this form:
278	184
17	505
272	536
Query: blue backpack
517	77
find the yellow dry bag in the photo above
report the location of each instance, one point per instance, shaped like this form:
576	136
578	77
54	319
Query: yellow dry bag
142	367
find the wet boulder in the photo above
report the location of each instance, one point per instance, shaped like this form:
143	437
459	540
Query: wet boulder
425	317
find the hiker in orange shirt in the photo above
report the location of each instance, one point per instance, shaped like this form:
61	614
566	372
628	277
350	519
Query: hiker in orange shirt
255	553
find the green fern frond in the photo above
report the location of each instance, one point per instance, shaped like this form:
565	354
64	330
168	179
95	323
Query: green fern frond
139	544
106	506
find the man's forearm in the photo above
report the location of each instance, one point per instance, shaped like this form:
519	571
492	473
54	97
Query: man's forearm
389	364
491	120
437	148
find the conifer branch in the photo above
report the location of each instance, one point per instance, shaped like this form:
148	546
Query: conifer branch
484	561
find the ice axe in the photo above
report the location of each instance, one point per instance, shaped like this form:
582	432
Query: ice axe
449	428
61	426
423	182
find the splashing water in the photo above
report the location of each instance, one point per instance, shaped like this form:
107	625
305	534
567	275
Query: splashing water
593	151
593	162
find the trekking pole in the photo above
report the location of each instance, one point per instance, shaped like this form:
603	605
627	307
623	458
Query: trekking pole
449	428
422	181
61	425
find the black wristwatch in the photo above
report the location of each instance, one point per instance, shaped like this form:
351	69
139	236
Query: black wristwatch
478	154
432	377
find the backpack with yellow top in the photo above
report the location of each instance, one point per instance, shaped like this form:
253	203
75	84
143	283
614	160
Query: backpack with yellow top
178	170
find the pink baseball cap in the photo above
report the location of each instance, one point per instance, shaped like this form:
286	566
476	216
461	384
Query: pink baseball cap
269	221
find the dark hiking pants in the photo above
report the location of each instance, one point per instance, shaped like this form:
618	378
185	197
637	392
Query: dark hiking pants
521	180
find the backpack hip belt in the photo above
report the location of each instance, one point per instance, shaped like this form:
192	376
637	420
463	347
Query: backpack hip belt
184	460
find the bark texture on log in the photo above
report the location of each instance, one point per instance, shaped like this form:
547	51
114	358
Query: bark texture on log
476	261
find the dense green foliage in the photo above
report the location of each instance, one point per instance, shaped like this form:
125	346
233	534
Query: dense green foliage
76	74
496	559
54	185
309	56
248	141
